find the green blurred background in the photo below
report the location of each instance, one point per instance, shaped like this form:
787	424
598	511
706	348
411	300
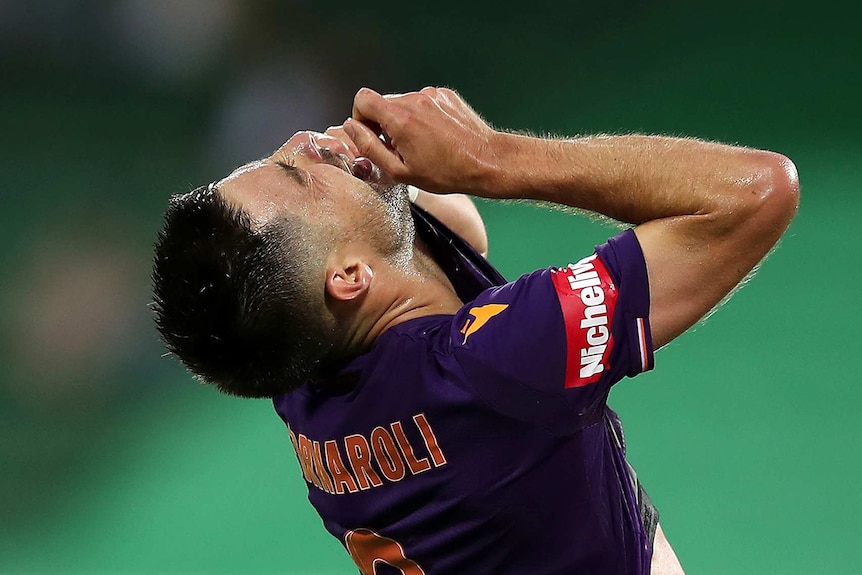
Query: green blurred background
114	461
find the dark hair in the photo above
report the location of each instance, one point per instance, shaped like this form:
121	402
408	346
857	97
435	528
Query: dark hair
238	305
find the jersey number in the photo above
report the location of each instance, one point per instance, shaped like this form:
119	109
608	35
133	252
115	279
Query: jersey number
368	548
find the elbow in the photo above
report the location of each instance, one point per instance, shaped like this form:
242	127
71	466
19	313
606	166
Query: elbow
782	194
767	199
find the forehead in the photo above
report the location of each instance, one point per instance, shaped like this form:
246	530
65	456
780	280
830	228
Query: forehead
262	189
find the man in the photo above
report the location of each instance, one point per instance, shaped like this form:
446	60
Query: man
447	422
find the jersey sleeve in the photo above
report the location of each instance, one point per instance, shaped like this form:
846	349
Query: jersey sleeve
548	347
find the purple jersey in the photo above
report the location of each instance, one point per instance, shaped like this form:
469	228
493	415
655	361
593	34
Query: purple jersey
481	442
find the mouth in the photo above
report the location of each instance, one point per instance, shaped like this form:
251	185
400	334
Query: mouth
361	168
367	171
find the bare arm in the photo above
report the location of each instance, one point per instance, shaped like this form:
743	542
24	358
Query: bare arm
706	213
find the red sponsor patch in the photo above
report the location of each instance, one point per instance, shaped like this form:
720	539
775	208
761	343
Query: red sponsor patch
588	298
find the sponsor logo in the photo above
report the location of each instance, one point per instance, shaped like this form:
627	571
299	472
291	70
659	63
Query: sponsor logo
588	297
480	316
594	323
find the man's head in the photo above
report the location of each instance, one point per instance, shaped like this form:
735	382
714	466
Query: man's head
259	278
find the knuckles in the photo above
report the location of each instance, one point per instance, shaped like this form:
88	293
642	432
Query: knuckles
400	117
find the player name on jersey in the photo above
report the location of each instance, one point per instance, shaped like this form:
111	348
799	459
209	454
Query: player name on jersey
357	462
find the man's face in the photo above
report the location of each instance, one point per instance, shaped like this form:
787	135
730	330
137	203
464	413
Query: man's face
320	178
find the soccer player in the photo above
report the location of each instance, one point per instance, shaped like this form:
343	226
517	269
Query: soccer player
448	422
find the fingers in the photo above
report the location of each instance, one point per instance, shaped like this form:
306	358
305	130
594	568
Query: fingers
338	133
369	108
372	147
383	113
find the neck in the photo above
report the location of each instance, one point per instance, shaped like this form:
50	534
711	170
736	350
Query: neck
417	290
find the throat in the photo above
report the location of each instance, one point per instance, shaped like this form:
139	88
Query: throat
434	298
398	294
422	291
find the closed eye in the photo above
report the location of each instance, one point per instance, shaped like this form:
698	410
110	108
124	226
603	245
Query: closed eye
293	172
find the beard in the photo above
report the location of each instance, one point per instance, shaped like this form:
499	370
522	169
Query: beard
397	200
394	232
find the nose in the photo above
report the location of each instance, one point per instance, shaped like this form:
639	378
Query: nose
334	145
309	147
318	148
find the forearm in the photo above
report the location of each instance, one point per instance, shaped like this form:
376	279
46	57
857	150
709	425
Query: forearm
633	179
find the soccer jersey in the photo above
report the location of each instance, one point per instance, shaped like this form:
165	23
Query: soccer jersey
481	442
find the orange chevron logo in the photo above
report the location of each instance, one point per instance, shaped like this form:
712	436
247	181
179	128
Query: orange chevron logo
481	315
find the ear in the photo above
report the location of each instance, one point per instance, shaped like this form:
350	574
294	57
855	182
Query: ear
349	280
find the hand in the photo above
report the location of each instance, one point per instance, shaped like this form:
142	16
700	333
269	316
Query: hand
431	138
339	134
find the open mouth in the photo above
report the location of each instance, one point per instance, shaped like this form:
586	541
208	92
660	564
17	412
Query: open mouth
365	170
361	168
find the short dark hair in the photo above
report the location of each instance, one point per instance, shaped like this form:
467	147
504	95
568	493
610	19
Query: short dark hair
238	305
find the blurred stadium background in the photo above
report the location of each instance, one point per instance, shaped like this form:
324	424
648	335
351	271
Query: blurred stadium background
114	461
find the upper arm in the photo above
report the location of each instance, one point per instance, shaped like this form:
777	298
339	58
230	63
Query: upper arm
548	347
694	261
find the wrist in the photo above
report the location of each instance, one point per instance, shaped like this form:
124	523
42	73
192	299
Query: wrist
514	165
